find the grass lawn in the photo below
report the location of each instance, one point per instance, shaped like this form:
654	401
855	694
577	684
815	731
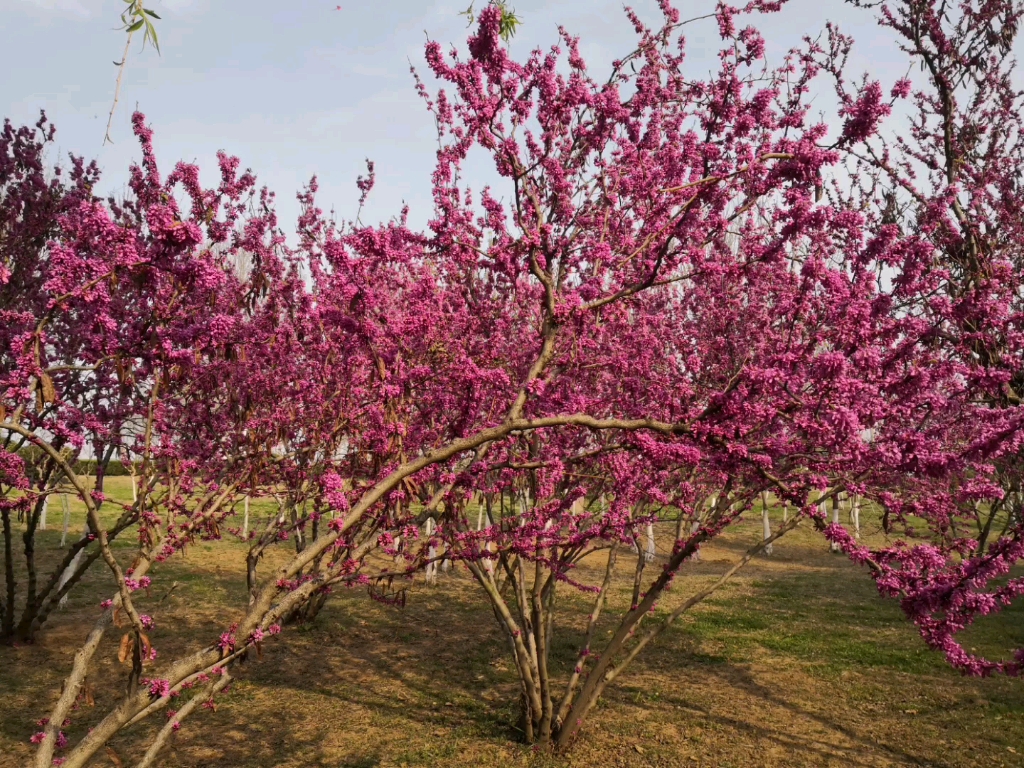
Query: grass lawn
797	662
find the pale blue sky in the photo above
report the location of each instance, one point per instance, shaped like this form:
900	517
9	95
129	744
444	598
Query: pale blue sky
297	88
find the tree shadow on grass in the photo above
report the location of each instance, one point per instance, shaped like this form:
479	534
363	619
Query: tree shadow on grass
368	685
762	723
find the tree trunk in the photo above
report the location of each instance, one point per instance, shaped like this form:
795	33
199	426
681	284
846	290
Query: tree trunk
834	546
430	573
694	527
8	618
70	570
488	563
766	525
651	551
66	507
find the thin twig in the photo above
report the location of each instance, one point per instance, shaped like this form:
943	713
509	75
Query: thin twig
117	89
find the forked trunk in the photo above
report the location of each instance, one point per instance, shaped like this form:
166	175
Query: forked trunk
521	595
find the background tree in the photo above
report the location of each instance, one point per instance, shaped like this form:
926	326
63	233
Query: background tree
945	197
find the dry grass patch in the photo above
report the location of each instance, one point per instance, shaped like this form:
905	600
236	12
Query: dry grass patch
797	662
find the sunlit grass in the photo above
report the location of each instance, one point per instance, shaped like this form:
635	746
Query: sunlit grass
797	662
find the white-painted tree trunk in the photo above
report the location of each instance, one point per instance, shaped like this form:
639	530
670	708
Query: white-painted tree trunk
766	524
72	567
855	516
695	526
835	519
77	559
42	513
398	555
431	570
245	516
785	512
66	507
126	462
651	549
487	562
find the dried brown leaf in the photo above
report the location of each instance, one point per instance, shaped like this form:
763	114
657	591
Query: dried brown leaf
46	388
124	650
147	646
114	758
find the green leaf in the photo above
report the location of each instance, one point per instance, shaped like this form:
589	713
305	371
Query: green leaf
151	13
151	35
136	26
509	23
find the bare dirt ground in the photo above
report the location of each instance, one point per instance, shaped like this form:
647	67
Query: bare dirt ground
797	662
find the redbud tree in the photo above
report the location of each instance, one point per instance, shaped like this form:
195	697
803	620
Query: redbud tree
32	203
93	316
658	317
114	320
694	288
942	201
